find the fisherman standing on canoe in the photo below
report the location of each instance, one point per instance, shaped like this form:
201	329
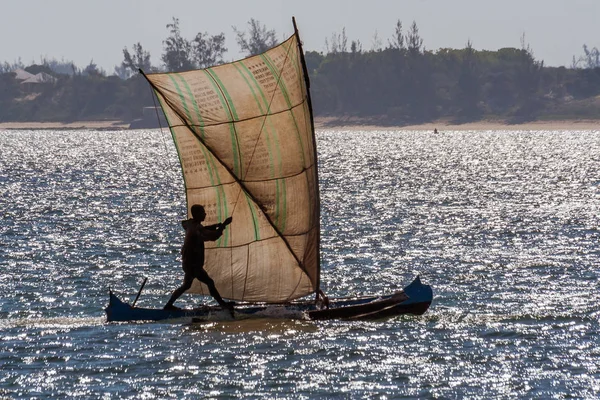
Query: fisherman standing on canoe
193	255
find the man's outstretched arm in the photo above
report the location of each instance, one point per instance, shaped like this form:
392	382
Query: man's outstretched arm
219	226
213	232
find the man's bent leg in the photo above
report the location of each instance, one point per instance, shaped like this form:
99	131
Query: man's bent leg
203	277
187	283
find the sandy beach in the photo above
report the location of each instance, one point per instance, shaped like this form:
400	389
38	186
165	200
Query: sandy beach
322	123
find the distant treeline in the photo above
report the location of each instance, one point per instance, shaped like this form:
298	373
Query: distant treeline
400	82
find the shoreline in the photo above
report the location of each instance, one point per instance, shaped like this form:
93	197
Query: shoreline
322	123
351	124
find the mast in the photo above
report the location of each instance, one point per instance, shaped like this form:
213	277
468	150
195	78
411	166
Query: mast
312	127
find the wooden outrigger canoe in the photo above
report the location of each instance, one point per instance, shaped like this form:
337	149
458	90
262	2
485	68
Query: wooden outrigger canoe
413	299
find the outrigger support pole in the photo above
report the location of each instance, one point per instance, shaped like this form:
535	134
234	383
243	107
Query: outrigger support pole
139	292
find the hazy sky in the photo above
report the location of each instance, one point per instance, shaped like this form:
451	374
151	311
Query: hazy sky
82	30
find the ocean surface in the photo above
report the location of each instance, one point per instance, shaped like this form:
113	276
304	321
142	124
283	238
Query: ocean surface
505	226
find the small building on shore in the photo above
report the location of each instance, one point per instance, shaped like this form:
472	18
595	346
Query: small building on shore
31	83
22	75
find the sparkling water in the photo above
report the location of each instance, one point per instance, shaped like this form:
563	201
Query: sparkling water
503	224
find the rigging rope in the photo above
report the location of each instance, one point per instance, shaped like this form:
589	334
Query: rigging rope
162	136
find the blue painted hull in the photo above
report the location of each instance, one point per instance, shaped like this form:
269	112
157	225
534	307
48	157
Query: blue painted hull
414	299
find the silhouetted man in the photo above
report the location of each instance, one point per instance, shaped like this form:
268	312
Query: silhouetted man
193	255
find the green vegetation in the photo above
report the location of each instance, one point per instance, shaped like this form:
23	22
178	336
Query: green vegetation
400	84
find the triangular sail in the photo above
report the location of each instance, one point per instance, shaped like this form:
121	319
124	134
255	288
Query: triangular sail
245	140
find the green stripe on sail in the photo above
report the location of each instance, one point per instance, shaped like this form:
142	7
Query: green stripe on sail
212	171
229	108
295	63
222	211
300	74
241	72
284	92
246	74
281	83
305	109
269	63
196	108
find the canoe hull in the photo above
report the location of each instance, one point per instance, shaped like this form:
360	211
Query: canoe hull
414	299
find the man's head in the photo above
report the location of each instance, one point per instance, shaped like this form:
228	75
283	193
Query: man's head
198	212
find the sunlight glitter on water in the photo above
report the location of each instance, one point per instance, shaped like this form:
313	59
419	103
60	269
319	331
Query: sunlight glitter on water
503	225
